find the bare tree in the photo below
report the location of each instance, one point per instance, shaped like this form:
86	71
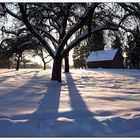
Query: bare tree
60	23
42	53
20	41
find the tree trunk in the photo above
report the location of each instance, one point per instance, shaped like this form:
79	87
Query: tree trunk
44	63
9	64
44	66
66	63
56	71
18	61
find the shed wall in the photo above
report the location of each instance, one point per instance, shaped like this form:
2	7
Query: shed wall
102	64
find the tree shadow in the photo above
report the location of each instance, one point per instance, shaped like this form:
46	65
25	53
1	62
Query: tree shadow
48	109
79	108
46	120
80	121
17	97
49	105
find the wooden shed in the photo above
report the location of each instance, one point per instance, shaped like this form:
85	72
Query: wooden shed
105	59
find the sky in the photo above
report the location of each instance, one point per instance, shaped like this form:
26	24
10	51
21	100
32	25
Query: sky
39	61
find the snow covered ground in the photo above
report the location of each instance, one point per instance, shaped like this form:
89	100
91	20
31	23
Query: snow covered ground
92	102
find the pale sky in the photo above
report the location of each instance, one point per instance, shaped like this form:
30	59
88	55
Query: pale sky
38	59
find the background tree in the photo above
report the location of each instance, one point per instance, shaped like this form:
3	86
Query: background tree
82	50
42	53
79	55
16	45
133	50
131	25
116	44
116	39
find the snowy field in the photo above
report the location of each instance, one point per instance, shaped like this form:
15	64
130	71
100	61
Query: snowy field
93	102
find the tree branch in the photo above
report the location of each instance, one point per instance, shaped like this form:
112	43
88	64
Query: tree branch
46	33
19	31
78	25
11	13
34	31
86	35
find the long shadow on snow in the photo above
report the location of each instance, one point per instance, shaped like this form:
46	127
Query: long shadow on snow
48	110
49	105
79	108
13	100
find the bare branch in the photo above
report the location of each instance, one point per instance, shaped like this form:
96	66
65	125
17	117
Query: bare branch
78	25
86	35
11	13
46	34
34	31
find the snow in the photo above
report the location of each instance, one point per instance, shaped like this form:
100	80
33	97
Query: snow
92	102
102	55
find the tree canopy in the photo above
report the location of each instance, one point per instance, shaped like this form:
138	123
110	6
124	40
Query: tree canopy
59	27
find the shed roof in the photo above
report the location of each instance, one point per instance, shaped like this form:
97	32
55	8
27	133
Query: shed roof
103	55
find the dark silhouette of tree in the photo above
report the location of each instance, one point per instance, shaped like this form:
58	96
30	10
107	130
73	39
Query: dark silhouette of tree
132	11
117	39
60	23
16	45
80	54
133	49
